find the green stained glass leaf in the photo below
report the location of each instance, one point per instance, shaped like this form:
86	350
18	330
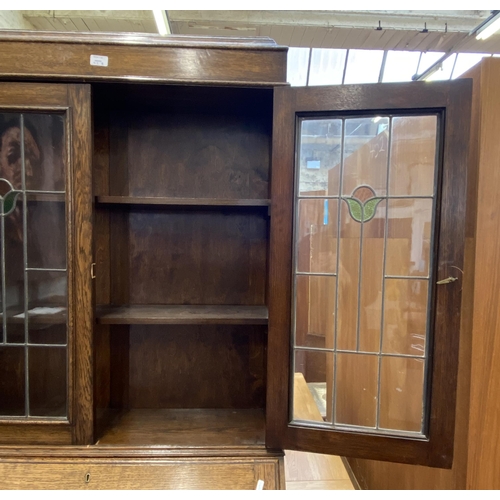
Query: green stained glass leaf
9	202
355	209
369	208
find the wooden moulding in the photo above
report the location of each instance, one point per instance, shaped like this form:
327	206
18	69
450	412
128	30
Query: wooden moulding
182	315
142	58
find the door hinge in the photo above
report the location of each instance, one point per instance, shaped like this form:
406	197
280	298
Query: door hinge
92	270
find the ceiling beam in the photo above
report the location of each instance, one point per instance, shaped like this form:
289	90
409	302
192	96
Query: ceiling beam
456	21
14	20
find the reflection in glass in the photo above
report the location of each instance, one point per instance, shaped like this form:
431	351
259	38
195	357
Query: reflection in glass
401	394
365	154
356	390
363	233
409	237
413	155
317	235
320	157
315	311
12	380
312	386
33	265
405	316
47	381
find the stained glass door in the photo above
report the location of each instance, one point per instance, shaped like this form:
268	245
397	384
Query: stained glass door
39	327
367	338
33	249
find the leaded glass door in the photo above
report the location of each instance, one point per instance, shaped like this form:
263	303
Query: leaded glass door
40	202
367	239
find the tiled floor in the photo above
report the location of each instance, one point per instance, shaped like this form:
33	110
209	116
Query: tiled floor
309	471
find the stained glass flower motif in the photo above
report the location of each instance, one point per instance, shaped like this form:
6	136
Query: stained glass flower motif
362	203
8	197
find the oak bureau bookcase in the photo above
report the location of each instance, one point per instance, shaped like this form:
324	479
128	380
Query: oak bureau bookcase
202	267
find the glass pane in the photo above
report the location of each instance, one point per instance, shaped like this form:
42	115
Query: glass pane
46	234
356	392
312	386
401	394
327	66
44	152
360	275
297	64
320	157
12	381
362	289
444	73
365	156
315	311
32	247
405	316
409	237
363	66
465	62
317	235
428	59
400	66
413	155
47	381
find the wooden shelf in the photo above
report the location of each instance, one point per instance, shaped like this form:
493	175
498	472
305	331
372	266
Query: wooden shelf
193	202
182	428
182	315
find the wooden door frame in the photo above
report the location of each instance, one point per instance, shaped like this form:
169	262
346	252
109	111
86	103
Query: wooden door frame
453	101
74	101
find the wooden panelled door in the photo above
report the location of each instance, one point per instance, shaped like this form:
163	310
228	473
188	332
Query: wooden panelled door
45	255
367	244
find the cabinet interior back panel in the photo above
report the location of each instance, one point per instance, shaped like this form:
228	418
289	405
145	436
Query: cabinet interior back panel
190	258
184	147
191	366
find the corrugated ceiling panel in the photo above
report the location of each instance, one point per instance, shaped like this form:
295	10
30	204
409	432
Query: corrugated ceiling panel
319	36
356	38
328	41
285	36
298	34
79	23
373	39
340	38
308	36
264	31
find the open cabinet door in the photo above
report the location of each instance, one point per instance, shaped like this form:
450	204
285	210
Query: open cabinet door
366	259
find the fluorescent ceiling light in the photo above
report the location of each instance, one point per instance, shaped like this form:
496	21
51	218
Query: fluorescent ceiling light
492	26
162	22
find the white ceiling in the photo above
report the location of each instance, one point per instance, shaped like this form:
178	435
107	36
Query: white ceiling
400	30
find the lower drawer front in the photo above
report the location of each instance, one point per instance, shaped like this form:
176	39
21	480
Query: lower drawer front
103	474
